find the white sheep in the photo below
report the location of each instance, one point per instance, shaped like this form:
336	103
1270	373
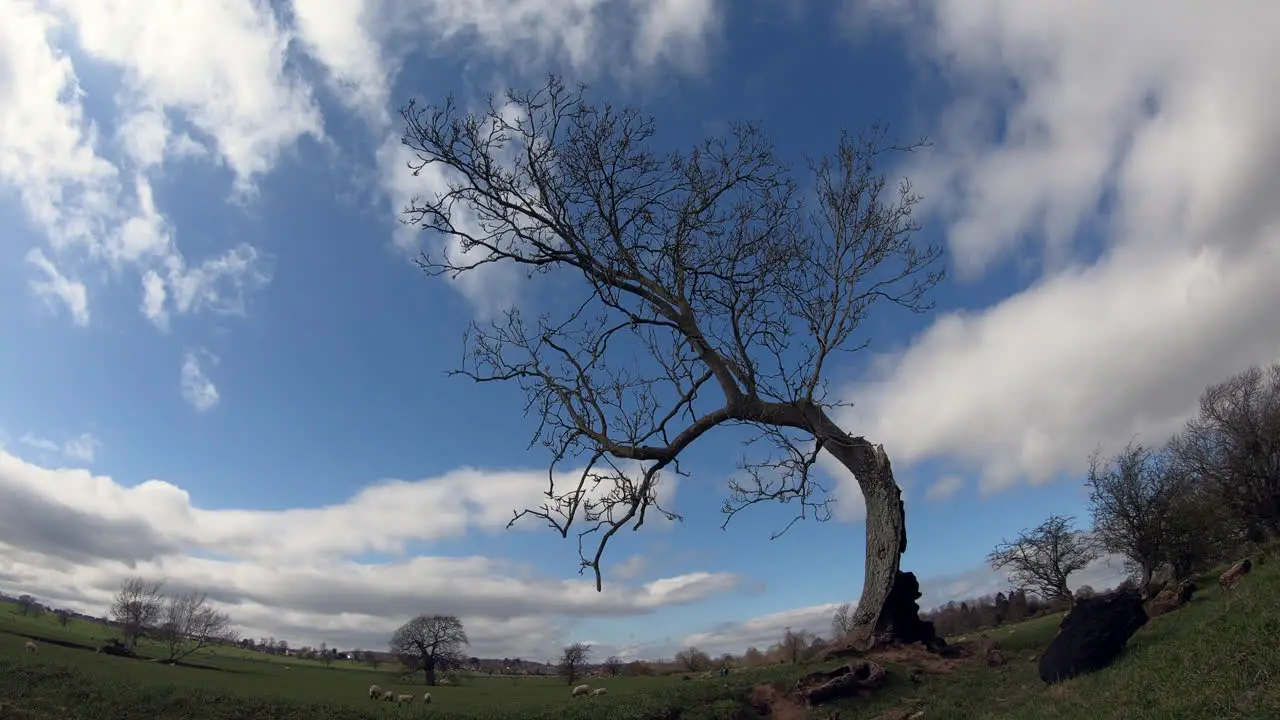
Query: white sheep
404	699
600	691
426	697
388	696
375	692
31	648
581	690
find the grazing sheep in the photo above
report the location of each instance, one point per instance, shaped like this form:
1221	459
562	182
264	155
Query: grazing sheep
426	697
404	699
375	692
599	691
581	690
388	696
31	648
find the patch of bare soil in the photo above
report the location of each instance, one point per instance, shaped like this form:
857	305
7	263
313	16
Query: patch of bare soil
917	657
771	702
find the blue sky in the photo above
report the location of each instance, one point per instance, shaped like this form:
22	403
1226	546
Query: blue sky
224	370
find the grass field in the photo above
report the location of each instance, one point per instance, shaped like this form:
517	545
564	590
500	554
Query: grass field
1215	658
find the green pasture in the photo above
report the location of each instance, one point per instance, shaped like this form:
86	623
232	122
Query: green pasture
1216	658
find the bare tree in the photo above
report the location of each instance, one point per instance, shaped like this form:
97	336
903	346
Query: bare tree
794	645
1233	445
431	644
188	623
1146	508
27	604
613	665
842	621
64	616
700	289
137	606
1041	560
693	659
572	659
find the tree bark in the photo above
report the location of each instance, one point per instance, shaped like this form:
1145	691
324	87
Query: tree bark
886	527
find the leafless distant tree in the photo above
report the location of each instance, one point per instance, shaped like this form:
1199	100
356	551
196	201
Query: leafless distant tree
188	623
842	621
431	644
137	607
1233	445
795	645
693	659
572	658
613	665
27	604
64	616
1041	560
696	289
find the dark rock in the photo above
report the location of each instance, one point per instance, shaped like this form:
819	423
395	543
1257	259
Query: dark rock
1172	597
1092	635
855	679
1232	577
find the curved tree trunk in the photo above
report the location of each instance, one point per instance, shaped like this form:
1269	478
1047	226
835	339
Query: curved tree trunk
886	528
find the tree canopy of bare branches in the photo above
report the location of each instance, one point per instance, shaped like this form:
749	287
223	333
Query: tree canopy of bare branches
572	659
1040	560
137	606
613	665
1233	446
431	644
696	289
842	621
1147	508
188	623
693	659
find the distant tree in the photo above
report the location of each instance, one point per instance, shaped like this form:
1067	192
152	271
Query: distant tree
372	658
64	616
431	644
688	272
137	606
639	668
188	623
752	657
327	654
1233	445
693	659
572	659
26	604
1041	559
842	622
1001	608
1147	509
613	665
795	645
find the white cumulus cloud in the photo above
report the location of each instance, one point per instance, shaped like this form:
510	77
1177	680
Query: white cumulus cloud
70	536
1144	131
